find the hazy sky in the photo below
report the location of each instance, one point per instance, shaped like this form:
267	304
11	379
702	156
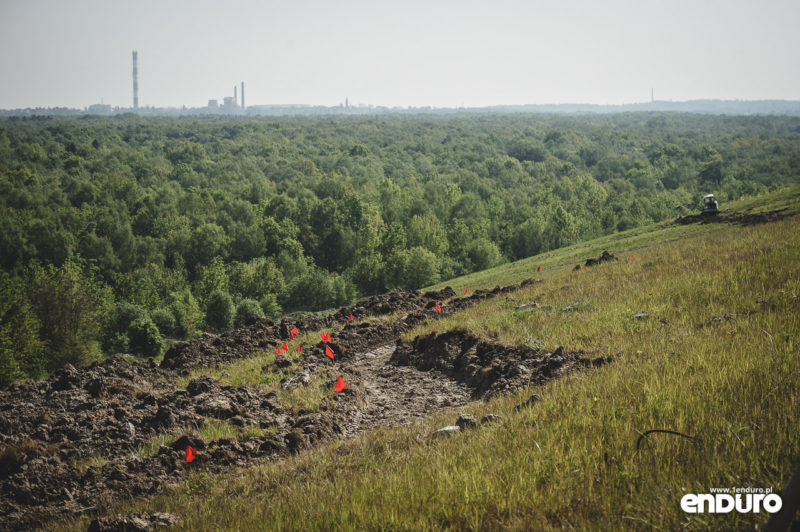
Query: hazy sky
397	53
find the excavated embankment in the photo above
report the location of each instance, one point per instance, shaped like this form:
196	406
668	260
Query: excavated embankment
69	444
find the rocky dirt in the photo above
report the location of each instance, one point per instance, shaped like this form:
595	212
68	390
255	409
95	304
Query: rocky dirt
71	443
734	218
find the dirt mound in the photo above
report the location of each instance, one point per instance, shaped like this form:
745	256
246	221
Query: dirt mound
734	218
83	436
487	368
604	257
210	350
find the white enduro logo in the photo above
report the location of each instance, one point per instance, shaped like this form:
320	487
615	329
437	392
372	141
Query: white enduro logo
725	500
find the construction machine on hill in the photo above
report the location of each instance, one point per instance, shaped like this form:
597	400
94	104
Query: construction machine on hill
708	207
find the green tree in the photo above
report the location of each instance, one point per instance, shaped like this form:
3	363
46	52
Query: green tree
246	310
220	311
422	269
270	307
144	338
72	309
186	310
21	350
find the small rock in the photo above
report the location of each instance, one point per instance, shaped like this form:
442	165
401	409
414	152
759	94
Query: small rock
164	519
466	421
572	306
217	407
532	304
532	399
447	431
301	378
641	315
490	418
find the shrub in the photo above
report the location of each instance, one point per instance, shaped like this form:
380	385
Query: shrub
219	314
144	338
246	310
269	304
422	269
164	320
187	313
317	290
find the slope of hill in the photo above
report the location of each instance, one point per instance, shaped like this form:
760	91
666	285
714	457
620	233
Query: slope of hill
692	330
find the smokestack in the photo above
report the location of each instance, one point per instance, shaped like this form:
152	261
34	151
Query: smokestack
135	81
243	95
234	95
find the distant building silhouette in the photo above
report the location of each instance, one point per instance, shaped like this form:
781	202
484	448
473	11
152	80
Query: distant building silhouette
135	81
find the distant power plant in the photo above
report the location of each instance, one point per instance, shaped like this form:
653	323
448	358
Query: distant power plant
135	81
230	104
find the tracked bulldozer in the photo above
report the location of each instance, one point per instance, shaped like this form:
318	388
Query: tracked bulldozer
708	207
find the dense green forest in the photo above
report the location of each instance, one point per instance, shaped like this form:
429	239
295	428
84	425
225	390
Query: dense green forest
118	234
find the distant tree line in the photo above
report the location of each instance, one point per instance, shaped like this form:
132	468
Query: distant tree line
119	234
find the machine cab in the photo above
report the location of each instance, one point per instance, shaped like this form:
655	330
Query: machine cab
710	205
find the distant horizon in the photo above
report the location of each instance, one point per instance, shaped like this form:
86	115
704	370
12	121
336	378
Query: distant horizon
402	107
446	54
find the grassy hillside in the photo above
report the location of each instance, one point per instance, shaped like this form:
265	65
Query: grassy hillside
716	361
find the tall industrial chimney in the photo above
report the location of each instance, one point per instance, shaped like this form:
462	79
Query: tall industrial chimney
135	81
243	95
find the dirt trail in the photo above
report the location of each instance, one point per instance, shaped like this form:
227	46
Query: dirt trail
394	395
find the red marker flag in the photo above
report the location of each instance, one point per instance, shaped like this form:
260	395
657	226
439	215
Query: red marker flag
294	330
278	351
329	351
340	385
299	348
351	317
285	347
539	269
327	337
438	308
191	452
465	290
631	255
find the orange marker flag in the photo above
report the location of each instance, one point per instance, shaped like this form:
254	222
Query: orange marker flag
329	351
340	385
285	347
438	307
191	452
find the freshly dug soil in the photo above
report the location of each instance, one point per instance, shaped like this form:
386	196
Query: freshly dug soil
72	443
